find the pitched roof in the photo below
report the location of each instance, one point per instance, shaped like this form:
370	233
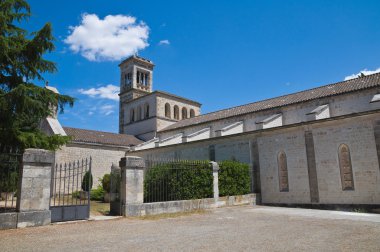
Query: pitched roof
303	96
101	137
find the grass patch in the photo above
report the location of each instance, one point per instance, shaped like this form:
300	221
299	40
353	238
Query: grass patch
99	208
170	215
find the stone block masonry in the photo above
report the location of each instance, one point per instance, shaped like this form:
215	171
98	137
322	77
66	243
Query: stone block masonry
311	150
33	200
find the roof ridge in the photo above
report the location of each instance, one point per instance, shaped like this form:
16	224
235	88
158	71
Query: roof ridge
170	127
297	92
65	127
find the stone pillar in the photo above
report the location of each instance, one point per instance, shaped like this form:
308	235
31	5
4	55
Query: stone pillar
215	174
132	181
33	201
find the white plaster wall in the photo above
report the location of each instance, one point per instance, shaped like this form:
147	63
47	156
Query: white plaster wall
323	114
143	129
273	123
238	128
172	140
199	136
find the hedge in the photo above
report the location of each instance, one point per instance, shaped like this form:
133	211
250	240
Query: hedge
234	178
182	180
185	180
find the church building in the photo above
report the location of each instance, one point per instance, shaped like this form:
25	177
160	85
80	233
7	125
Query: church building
318	146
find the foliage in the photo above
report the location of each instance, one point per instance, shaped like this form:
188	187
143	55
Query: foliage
23	104
87	181
234	178
76	194
9	183
178	181
97	194
106	182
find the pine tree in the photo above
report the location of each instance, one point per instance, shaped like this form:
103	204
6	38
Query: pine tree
24	104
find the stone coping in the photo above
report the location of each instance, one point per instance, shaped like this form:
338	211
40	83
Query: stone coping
187	205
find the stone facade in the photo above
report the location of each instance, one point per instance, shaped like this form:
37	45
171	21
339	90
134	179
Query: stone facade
357	131
142	111
102	157
293	143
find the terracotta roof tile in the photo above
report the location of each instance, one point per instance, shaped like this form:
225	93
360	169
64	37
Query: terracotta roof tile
100	137
303	96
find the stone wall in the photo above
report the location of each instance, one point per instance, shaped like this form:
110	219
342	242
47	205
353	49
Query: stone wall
102	157
315	167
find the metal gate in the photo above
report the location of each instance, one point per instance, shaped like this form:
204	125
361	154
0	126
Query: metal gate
70	191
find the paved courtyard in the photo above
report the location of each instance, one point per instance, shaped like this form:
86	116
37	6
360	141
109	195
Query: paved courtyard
226	229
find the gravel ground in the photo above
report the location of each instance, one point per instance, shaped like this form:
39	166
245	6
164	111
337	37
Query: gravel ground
225	229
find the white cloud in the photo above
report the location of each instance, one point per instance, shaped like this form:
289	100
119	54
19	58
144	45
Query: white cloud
112	38
107	109
164	42
107	92
365	72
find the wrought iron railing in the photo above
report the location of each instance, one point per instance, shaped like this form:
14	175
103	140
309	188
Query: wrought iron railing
69	185
170	180
10	163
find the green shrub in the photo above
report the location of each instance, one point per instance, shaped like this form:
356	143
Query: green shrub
87	181
178	181
75	194
106	182
97	194
9	182
234	178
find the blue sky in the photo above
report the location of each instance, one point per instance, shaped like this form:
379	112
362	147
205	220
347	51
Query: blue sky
220	53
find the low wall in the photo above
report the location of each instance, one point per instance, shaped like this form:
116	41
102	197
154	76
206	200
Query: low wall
187	205
24	219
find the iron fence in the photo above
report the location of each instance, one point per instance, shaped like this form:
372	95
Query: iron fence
170	180
70	185
10	163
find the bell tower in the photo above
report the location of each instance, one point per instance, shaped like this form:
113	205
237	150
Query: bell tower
136	80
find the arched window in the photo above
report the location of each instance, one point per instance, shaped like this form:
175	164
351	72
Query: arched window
167	110
146	110
192	113
176	112
132	115
139	113
283	172
184	113
345	166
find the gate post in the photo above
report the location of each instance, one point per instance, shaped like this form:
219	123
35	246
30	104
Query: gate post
215	174
132	182
34	188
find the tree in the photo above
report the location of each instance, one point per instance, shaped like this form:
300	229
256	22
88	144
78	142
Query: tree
23	104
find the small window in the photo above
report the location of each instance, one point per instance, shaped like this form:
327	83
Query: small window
132	115
139	110
345	166
146	111
176	112
167	110
283	172
184	113
192	113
